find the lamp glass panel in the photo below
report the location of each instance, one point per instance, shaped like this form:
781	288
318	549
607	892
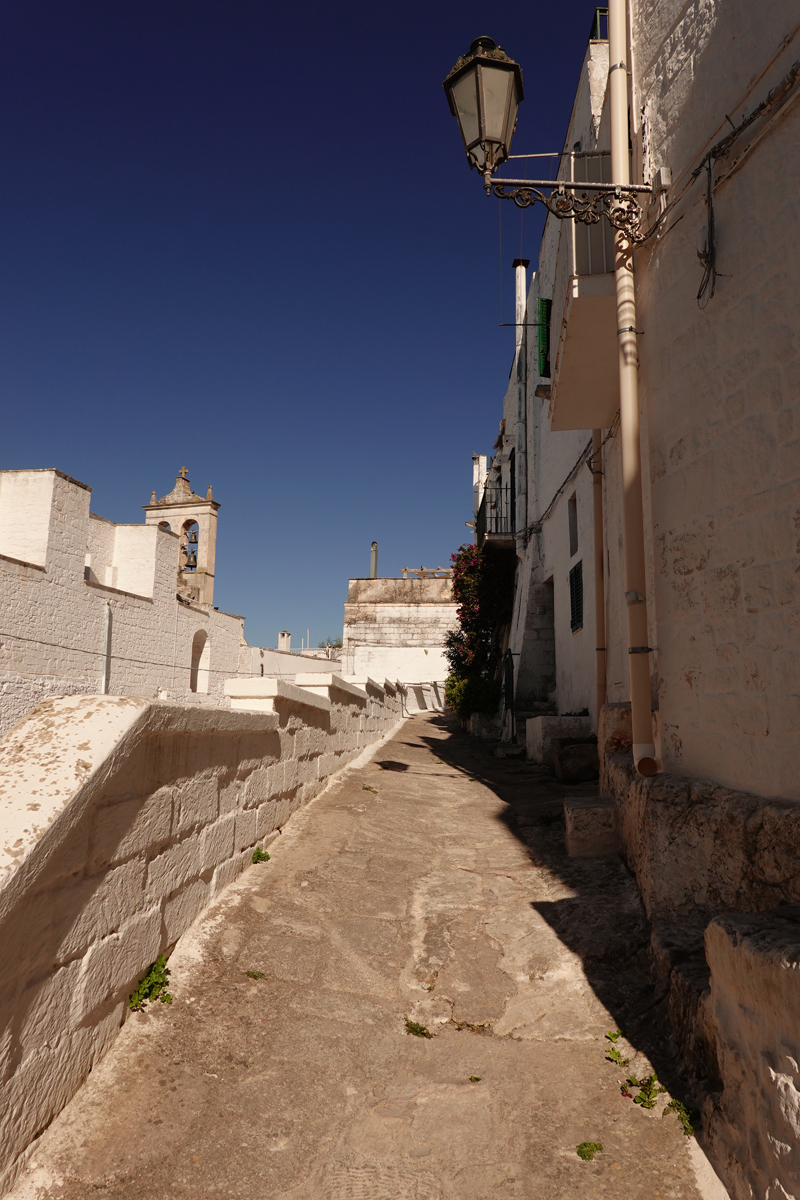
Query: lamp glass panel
495	85
512	115
465	97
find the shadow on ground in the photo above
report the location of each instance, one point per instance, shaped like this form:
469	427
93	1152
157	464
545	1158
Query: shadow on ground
604	922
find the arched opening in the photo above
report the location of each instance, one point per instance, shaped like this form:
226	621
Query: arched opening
201	661
189	546
164	525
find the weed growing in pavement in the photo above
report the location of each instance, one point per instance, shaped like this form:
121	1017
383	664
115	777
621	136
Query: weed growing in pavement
587	1150
474	1078
612	1053
648	1090
260	855
683	1115
255	975
153	986
367	788
484	1027
417	1029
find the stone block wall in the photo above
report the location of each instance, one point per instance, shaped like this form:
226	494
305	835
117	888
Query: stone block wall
121	819
712	866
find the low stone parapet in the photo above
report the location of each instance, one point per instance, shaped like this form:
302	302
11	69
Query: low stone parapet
754	1005
121	819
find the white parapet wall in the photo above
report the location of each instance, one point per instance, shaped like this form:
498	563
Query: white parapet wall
120	820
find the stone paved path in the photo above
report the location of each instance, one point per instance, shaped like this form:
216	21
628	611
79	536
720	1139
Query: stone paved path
429	884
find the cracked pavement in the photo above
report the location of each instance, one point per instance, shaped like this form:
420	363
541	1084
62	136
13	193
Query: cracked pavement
430	883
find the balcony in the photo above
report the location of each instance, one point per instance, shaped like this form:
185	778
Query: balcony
585	383
495	525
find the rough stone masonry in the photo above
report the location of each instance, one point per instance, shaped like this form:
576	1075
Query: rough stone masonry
430	884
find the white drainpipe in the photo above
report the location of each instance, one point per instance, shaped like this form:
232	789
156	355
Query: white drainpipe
106	679
521	426
644	754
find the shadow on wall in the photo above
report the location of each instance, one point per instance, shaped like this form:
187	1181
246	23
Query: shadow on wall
201	662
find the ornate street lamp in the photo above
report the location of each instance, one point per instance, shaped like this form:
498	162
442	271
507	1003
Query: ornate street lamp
483	90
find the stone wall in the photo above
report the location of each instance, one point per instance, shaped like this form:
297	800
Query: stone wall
712	865
719	389
62	570
121	819
395	628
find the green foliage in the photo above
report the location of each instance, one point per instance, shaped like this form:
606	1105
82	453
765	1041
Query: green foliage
417	1029
472	694
255	975
474	1078
332	643
683	1115
483	588
153	986
612	1053
260	856
587	1150
648	1090
367	788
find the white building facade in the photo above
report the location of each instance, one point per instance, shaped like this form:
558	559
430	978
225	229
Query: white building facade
714	837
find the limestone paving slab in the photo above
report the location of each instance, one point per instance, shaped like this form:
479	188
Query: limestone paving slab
431	883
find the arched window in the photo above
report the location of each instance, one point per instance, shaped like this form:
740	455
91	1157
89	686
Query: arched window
189	544
201	661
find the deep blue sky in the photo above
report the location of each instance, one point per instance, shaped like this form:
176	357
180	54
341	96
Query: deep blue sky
244	237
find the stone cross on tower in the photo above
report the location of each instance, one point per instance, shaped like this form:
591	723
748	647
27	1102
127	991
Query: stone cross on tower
184	473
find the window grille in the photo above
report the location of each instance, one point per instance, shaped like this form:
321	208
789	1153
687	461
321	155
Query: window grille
576	597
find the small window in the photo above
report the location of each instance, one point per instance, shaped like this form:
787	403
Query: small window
576	597
543	308
572	517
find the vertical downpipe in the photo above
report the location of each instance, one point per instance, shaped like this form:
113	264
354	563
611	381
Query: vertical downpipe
373	561
599	580
521	426
644	754
106	680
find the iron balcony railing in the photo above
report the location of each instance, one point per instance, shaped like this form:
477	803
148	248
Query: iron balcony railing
496	513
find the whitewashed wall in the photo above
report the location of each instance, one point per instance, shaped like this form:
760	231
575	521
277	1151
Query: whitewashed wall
121	819
719	391
61	569
395	628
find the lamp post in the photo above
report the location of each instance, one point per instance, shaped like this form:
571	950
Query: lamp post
484	89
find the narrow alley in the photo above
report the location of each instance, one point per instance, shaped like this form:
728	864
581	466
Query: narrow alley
427	889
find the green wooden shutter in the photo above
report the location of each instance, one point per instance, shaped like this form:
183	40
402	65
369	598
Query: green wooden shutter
543	308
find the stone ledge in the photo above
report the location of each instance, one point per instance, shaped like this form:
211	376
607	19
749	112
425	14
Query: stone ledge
321	684
262	693
591	826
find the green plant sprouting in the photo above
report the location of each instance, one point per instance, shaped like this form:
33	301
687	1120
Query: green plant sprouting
649	1090
255	975
474	1078
260	855
152	986
367	788
683	1115
612	1053
416	1029
587	1150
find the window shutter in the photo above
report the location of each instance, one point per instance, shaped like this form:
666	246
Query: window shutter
576	597
543	308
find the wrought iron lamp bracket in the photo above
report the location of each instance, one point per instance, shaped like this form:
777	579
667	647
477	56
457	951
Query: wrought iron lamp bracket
573	201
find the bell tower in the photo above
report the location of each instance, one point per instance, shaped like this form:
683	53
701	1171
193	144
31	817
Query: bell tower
195	522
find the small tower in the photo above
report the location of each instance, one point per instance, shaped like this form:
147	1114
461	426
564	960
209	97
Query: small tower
194	519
